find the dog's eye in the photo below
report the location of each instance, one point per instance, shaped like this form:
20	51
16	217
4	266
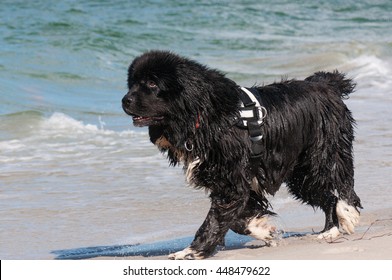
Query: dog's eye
151	84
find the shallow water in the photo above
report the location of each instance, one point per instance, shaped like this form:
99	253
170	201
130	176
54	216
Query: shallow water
75	173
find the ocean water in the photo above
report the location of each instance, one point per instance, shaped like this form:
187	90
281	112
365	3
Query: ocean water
75	173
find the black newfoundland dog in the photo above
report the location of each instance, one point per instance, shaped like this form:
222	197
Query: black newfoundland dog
242	144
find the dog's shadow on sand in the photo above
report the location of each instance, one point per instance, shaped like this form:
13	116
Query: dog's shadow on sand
161	248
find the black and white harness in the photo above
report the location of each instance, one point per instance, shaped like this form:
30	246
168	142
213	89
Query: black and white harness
252	115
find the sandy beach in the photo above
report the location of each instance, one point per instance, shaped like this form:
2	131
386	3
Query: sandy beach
371	241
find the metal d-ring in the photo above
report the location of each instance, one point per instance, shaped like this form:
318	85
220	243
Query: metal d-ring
189	149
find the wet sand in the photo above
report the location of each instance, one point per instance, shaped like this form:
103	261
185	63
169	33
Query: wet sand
371	241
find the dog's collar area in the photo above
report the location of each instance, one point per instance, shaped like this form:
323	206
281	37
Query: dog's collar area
188	145
197	124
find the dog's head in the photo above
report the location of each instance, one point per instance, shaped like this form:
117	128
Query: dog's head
170	91
153	84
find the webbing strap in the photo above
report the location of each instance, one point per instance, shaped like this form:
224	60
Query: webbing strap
250	108
252	115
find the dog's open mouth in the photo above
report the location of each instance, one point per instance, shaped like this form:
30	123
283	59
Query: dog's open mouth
146	121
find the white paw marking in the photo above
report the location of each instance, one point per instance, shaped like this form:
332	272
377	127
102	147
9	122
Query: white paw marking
186	254
329	234
348	216
260	229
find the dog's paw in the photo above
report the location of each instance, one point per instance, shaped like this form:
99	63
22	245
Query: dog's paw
348	216
260	229
329	234
186	254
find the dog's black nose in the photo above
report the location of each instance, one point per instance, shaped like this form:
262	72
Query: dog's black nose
127	100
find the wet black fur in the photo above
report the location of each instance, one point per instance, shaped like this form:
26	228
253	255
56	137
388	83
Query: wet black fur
308	135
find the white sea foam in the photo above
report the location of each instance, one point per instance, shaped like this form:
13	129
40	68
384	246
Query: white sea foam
61	122
371	71
61	136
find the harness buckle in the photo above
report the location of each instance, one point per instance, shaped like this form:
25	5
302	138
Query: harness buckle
256	138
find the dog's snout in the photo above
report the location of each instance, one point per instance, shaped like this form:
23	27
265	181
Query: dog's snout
127	103
127	99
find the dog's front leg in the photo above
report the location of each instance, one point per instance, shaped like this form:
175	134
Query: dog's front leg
222	214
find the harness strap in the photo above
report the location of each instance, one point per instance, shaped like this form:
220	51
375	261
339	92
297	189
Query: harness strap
250	108
252	115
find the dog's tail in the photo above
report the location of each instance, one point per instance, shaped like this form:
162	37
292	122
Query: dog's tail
338	81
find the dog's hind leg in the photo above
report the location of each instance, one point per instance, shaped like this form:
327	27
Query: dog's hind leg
337	200
331	227
305	188
347	216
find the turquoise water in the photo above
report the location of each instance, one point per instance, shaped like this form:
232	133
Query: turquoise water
74	172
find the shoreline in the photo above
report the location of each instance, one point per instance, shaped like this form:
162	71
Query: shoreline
371	241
